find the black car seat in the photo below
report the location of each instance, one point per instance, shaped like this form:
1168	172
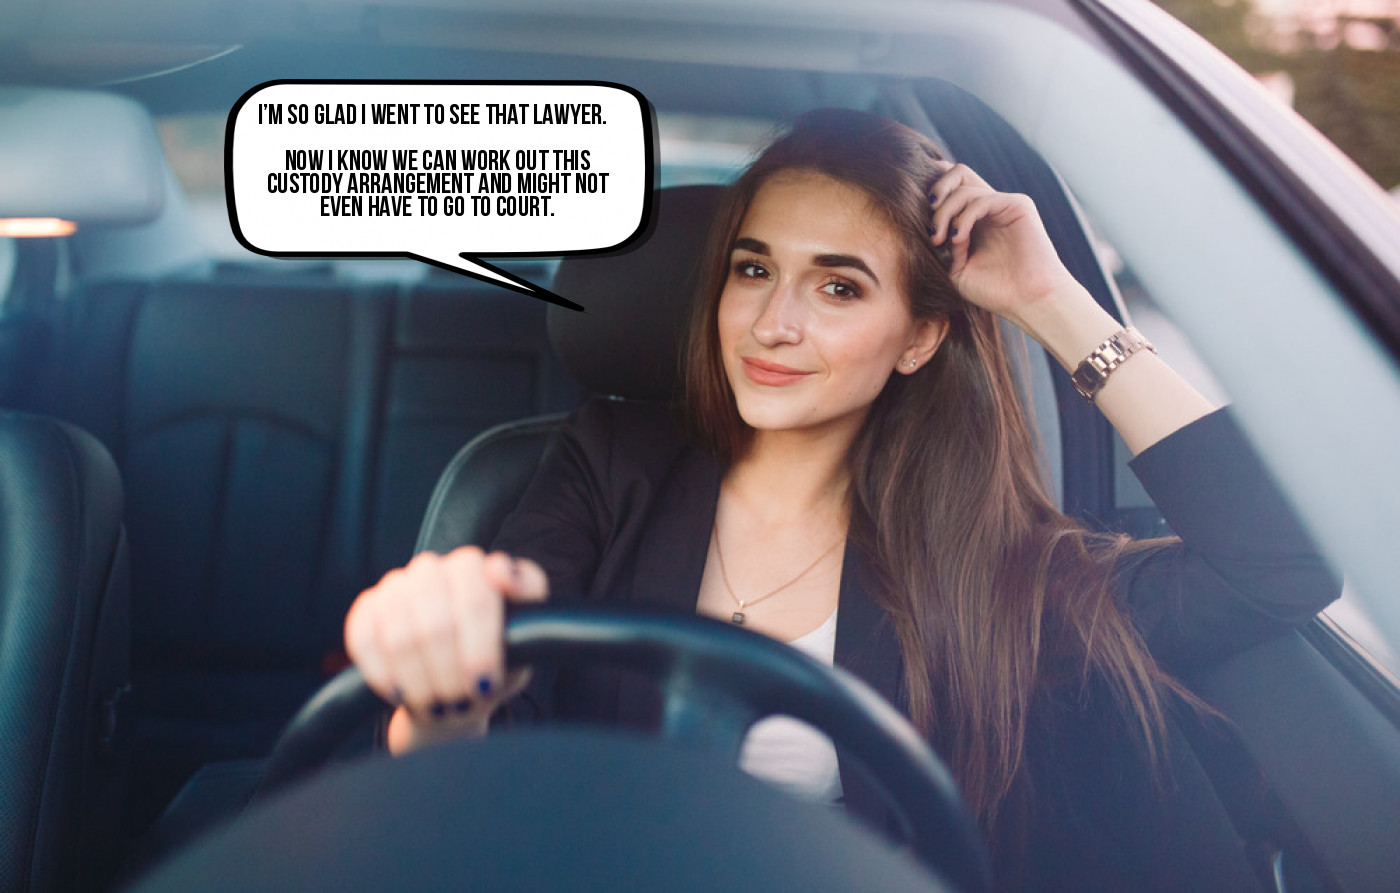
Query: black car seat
63	653
624	346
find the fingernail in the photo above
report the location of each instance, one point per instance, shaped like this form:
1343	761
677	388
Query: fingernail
396	695
464	705
953	231
484	685
438	710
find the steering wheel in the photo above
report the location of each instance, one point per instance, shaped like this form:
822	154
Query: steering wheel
717	680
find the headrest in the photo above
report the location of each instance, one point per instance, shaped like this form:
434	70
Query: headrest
627	342
82	156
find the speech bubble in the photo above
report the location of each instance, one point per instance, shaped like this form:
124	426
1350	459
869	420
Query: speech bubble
439	171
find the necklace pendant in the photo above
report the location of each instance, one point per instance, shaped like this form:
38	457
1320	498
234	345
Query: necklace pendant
737	619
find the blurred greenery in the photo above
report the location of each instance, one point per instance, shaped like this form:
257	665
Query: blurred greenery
1351	95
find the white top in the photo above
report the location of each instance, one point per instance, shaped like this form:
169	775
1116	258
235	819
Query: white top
788	752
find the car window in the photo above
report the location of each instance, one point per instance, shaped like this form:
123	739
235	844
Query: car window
1144	312
707	148
194	149
1255	286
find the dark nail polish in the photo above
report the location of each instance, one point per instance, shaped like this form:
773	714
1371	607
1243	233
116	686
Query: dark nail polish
953	231
464	705
396	696
484	685
438	710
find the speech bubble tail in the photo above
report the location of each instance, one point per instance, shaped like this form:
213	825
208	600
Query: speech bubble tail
479	269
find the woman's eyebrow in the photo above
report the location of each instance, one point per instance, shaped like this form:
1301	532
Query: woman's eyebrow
845	260
745	243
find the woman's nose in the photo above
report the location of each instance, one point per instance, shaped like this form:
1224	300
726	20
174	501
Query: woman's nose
780	318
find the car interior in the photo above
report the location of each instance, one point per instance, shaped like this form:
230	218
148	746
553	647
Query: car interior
205	457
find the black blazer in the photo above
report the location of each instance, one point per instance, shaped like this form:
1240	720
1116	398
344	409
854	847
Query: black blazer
620	513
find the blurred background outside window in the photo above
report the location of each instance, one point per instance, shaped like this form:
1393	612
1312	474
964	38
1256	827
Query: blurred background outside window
1337	62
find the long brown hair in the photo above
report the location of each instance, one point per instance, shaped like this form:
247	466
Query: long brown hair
995	595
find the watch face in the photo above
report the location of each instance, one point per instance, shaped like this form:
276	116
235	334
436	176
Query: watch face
1090	374
1089	377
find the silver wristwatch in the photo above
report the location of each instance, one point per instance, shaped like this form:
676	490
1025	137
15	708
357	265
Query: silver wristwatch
1095	369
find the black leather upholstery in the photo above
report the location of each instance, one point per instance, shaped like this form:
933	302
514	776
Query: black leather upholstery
482	484
63	641
625	345
458	368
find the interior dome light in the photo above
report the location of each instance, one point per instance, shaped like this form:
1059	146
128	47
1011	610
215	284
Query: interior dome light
35	227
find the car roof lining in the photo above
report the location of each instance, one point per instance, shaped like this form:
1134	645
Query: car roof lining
765	92
60	40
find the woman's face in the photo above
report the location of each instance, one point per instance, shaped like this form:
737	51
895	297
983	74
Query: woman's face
813	318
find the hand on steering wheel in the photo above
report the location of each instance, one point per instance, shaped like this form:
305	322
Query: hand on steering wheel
427	638
717	681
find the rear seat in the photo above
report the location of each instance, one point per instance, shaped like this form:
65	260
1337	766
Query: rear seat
279	443
457	367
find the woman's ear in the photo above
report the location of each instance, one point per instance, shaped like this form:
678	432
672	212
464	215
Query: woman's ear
929	333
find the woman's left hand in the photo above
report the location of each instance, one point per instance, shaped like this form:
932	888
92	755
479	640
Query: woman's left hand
1002	258
1003	261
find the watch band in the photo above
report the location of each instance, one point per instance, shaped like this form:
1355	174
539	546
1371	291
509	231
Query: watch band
1091	375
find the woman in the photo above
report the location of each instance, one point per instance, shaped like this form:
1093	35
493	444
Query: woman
853	440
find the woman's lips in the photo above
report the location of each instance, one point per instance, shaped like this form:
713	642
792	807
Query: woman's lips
771	374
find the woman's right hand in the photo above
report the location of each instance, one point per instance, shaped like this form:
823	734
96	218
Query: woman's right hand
429	638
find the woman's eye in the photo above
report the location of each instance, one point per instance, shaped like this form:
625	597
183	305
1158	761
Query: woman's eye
747	269
839	288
